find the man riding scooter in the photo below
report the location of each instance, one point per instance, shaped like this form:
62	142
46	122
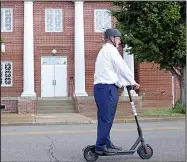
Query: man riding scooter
110	70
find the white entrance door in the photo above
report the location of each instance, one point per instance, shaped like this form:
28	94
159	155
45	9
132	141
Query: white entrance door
53	76
47	85
60	81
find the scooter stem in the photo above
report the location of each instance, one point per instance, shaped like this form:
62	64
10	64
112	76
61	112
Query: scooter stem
129	88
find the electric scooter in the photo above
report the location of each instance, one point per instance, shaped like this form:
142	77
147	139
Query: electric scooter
144	150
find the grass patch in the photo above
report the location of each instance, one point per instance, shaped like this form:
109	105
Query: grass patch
163	112
177	110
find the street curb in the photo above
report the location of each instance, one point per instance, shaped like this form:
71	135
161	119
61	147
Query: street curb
149	119
93	121
44	123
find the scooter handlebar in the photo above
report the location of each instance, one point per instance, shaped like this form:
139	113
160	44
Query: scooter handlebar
130	87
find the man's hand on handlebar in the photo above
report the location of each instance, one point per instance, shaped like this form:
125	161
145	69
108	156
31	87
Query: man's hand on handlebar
136	86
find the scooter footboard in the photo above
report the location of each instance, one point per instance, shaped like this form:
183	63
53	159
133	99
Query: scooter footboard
126	152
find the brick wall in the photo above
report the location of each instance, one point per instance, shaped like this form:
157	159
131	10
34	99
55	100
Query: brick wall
11	105
14	49
87	105
45	42
156	85
27	105
19	105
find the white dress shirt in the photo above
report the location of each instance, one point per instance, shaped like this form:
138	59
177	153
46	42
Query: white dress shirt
110	68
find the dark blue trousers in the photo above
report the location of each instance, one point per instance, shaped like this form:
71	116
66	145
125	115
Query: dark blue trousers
106	98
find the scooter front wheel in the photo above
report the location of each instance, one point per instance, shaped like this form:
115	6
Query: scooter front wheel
89	153
145	154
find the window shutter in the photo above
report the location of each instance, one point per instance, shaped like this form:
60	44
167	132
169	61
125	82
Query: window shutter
6	73
106	19
58	20
49	20
98	20
2	19
8	20
102	20
2	74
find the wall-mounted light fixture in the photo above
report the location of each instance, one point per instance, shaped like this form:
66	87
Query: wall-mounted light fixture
54	51
3	48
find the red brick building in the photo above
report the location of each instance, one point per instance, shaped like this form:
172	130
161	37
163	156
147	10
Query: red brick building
50	51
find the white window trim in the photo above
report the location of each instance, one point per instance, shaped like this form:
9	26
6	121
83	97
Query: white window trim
53	22
3	29
10	85
95	28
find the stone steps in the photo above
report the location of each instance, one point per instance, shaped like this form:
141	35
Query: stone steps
56	105
47	103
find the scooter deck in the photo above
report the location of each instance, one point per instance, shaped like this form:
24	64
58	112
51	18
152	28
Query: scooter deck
123	152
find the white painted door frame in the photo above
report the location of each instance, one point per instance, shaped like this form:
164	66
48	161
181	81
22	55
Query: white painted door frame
58	79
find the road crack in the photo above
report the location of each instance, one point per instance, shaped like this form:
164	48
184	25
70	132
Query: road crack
50	151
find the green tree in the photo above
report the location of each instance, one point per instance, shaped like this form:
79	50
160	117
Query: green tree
156	31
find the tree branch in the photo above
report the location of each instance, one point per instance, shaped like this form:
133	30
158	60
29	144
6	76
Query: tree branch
176	73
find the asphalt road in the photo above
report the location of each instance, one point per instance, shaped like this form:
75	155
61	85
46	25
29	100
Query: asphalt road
65	142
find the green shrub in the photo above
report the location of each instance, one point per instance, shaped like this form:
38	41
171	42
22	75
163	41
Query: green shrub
178	108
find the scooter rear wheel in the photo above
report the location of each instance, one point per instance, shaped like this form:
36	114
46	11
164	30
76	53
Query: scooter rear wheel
145	155
89	154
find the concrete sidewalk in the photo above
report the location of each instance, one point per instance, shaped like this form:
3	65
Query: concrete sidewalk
70	118
57	118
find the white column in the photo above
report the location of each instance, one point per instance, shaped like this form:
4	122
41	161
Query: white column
28	66
79	50
173	90
130	62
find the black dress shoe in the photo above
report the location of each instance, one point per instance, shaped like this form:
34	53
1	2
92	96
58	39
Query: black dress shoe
112	146
106	151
